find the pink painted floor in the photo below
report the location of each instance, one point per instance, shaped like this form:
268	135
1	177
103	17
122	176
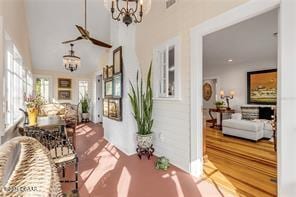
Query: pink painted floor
104	171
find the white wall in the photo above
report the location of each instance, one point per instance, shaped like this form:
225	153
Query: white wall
234	78
122	134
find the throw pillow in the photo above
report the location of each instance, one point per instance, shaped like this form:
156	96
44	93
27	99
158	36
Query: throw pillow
266	113
250	113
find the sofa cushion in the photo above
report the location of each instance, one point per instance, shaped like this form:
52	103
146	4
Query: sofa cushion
52	109
250	113
12	159
252	126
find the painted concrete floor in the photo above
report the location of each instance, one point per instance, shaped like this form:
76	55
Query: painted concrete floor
104	171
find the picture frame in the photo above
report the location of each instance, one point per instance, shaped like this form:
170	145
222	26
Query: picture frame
108	88
117	60
117	86
106	107
115	109
262	87
105	72
110	71
64	94
64	83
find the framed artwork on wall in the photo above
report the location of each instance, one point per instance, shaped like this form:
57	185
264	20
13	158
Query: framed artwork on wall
108	88
64	94
207	91
110	71
106	107
262	87
105	72
115	109
117	86
117	60
64	83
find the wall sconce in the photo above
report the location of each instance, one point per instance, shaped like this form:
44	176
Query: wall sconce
227	97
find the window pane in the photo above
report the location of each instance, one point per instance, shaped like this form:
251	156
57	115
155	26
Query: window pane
83	89
171	75
42	88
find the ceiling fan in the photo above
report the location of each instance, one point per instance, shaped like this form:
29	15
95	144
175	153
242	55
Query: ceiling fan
85	34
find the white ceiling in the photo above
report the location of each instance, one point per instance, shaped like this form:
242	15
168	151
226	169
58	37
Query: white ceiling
247	42
52	21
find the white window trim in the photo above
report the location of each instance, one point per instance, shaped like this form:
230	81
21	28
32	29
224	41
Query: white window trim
88	86
49	77
156	69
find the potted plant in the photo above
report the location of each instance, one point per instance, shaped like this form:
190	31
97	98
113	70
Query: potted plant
33	104
85	107
142	106
219	104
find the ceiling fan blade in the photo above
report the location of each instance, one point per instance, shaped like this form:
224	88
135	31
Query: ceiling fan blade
69	41
82	31
99	43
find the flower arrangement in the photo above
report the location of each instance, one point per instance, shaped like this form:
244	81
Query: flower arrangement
34	102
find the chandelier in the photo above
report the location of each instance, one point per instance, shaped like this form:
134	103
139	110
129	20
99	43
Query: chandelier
71	62
128	10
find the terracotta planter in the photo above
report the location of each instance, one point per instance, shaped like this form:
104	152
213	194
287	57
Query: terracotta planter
144	141
32	115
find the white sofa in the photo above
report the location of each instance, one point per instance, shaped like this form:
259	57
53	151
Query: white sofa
247	129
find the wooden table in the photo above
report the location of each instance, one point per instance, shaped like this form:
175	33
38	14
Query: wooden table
221	111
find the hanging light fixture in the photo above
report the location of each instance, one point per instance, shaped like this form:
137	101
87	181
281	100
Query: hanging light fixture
71	62
128	10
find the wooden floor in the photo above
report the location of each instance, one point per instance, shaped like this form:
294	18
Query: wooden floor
243	167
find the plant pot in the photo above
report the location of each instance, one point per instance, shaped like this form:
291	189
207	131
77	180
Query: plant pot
85	116
144	141
32	115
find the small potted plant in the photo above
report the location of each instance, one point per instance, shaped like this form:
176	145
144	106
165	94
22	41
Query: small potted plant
85	107
219	104
142	106
33	104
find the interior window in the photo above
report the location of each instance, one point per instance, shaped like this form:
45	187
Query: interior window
83	89
42	88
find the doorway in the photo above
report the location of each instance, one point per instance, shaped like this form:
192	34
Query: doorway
234	16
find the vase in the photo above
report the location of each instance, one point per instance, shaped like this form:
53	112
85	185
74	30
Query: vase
32	115
144	141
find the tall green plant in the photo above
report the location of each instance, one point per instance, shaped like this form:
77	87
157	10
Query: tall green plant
142	104
84	104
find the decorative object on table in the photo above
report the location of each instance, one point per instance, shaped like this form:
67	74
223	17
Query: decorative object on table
106	107
207	91
219	104
64	83
128	10
105	72
117	86
70	61
84	33
33	104
108	88
110	71
142	106
226	97
162	163
85	108
117	60
262	87
64	94
115	109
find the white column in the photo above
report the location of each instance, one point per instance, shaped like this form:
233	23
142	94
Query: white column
287	101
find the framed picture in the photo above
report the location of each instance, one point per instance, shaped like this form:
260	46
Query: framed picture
110	71
64	94
64	83
106	107
262	87
105	72
207	91
117	86
117	60
108	88
115	109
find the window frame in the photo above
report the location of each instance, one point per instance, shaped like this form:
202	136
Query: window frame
49	78
88	83
157	70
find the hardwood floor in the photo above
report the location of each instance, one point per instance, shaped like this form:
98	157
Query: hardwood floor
243	167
